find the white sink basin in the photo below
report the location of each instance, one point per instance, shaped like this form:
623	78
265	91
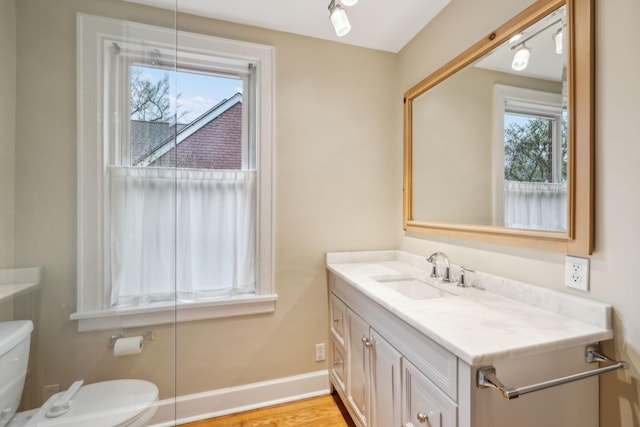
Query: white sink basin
413	288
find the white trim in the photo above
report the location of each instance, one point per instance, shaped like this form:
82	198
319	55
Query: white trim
215	403
170	312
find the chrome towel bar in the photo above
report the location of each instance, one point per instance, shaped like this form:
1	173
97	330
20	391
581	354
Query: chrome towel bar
486	376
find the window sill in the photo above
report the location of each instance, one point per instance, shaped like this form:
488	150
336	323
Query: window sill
170	312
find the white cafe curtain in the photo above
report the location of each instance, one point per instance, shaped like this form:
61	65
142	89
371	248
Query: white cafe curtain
179	233
535	205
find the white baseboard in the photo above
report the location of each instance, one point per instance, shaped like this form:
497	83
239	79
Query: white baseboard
215	403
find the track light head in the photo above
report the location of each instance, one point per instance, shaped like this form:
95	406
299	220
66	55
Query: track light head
521	58
557	38
338	18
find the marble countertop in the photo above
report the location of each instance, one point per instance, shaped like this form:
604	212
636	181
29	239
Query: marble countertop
504	319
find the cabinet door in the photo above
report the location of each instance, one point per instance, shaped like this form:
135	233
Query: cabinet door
338	364
423	403
358	369
385	383
338	311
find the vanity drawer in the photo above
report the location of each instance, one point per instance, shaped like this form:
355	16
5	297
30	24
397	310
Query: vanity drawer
337	316
424	404
337	366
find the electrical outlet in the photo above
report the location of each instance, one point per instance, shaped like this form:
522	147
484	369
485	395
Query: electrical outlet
320	352
50	390
576	274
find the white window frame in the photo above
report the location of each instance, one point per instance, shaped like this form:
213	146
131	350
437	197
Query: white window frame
95	36
525	101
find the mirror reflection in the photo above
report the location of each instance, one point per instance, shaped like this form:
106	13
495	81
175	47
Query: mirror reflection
490	142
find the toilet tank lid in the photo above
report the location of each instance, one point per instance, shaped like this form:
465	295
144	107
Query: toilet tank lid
12	333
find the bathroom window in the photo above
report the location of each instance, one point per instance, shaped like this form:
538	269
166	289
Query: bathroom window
180	157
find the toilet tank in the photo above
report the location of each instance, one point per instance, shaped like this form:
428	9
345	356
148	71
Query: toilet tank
14	356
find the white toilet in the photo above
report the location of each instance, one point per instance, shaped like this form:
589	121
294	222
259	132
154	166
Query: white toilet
116	403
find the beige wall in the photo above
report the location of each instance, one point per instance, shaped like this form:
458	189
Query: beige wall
333	150
8	129
338	187
613	264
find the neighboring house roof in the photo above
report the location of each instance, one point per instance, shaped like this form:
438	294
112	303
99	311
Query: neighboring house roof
146	137
184	132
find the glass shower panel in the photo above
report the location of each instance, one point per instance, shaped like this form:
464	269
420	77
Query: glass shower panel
87	333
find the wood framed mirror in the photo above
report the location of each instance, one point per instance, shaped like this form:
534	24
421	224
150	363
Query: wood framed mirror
505	153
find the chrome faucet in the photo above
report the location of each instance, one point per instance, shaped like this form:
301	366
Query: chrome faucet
433	258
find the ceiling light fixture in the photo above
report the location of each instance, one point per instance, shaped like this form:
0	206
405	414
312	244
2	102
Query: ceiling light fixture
338	16
557	37
521	58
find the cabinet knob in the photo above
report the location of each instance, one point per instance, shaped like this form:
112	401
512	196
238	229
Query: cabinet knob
366	342
337	319
338	362
423	417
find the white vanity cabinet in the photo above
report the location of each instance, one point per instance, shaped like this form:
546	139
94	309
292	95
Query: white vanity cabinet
369	372
389	373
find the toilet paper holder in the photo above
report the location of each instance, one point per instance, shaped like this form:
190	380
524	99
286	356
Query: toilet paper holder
147	337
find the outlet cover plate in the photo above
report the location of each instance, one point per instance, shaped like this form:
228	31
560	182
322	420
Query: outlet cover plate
320	352
576	274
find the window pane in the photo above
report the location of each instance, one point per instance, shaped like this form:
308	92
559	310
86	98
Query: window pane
185	120
528	148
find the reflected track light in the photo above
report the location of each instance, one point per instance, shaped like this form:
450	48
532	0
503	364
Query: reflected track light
521	58
515	38
557	37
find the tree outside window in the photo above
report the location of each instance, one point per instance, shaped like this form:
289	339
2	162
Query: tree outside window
529	149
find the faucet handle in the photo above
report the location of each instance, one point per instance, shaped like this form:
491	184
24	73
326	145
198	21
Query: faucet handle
463	281
434	265
446	277
434	269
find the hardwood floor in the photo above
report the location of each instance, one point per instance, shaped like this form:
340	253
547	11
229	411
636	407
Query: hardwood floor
323	411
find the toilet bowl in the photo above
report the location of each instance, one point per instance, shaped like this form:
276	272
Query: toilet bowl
115	403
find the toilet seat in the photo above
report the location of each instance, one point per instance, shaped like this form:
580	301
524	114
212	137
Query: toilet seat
105	404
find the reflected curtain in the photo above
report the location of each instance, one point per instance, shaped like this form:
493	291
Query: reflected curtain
180	233
535	205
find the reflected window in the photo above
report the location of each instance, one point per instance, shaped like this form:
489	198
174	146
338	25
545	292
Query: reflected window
535	147
531	141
